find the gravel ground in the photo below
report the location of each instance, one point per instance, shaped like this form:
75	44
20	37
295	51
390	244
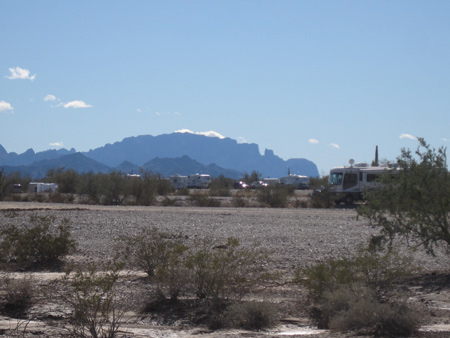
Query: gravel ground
297	237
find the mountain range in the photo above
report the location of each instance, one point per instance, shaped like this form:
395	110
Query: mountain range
167	154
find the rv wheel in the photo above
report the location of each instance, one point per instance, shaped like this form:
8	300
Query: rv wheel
348	199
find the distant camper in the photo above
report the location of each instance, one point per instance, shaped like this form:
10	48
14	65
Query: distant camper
201	181
178	181
296	180
42	187
196	181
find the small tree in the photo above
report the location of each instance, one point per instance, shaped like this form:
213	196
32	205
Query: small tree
254	176
414	202
67	180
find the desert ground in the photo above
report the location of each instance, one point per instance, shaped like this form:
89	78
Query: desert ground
297	237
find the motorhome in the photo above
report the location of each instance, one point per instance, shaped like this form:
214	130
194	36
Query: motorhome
201	181
178	181
349	183
295	180
42	187
196	181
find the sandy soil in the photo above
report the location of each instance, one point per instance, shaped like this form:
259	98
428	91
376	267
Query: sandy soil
297	237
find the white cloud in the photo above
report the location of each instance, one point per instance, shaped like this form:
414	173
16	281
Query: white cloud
20	73
5	106
408	136
50	97
313	141
139	110
241	139
77	104
334	145
56	144
205	133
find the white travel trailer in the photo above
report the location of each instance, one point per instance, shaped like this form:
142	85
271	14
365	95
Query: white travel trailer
349	183
178	181
271	181
42	187
197	181
296	180
201	181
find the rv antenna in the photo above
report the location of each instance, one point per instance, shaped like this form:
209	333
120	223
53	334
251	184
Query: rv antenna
376	155
352	161
375	162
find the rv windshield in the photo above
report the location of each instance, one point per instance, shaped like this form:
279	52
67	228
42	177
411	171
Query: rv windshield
336	178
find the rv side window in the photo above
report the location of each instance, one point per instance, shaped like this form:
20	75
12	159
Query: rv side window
350	180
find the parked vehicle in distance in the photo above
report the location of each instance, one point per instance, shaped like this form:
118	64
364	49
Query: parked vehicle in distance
303	186
348	184
258	184
196	181
295	180
42	187
241	185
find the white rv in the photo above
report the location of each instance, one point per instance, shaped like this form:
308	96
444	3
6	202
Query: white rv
296	180
197	181
201	181
178	181
349	183
42	187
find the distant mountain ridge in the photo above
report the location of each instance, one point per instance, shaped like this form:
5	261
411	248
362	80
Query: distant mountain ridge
167	154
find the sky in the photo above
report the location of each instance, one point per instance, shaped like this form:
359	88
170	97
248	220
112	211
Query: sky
323	80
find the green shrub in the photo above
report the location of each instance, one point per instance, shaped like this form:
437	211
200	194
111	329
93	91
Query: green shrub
359	309
275	197
167	201
40	244
226	271
351	293
92	297
160	255
370	267
183	192
255	316
322	199
239	201
18	295
202	200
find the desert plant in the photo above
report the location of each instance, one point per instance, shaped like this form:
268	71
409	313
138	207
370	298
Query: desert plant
322	198
202	200
371	267
221	186
351	293
226	271
275	197
255	316
67	180
160	255
92	296
17	296
250	178
239	201
40	244
359	309
415	202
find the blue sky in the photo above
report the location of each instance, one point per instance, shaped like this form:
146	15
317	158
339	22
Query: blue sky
322	80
